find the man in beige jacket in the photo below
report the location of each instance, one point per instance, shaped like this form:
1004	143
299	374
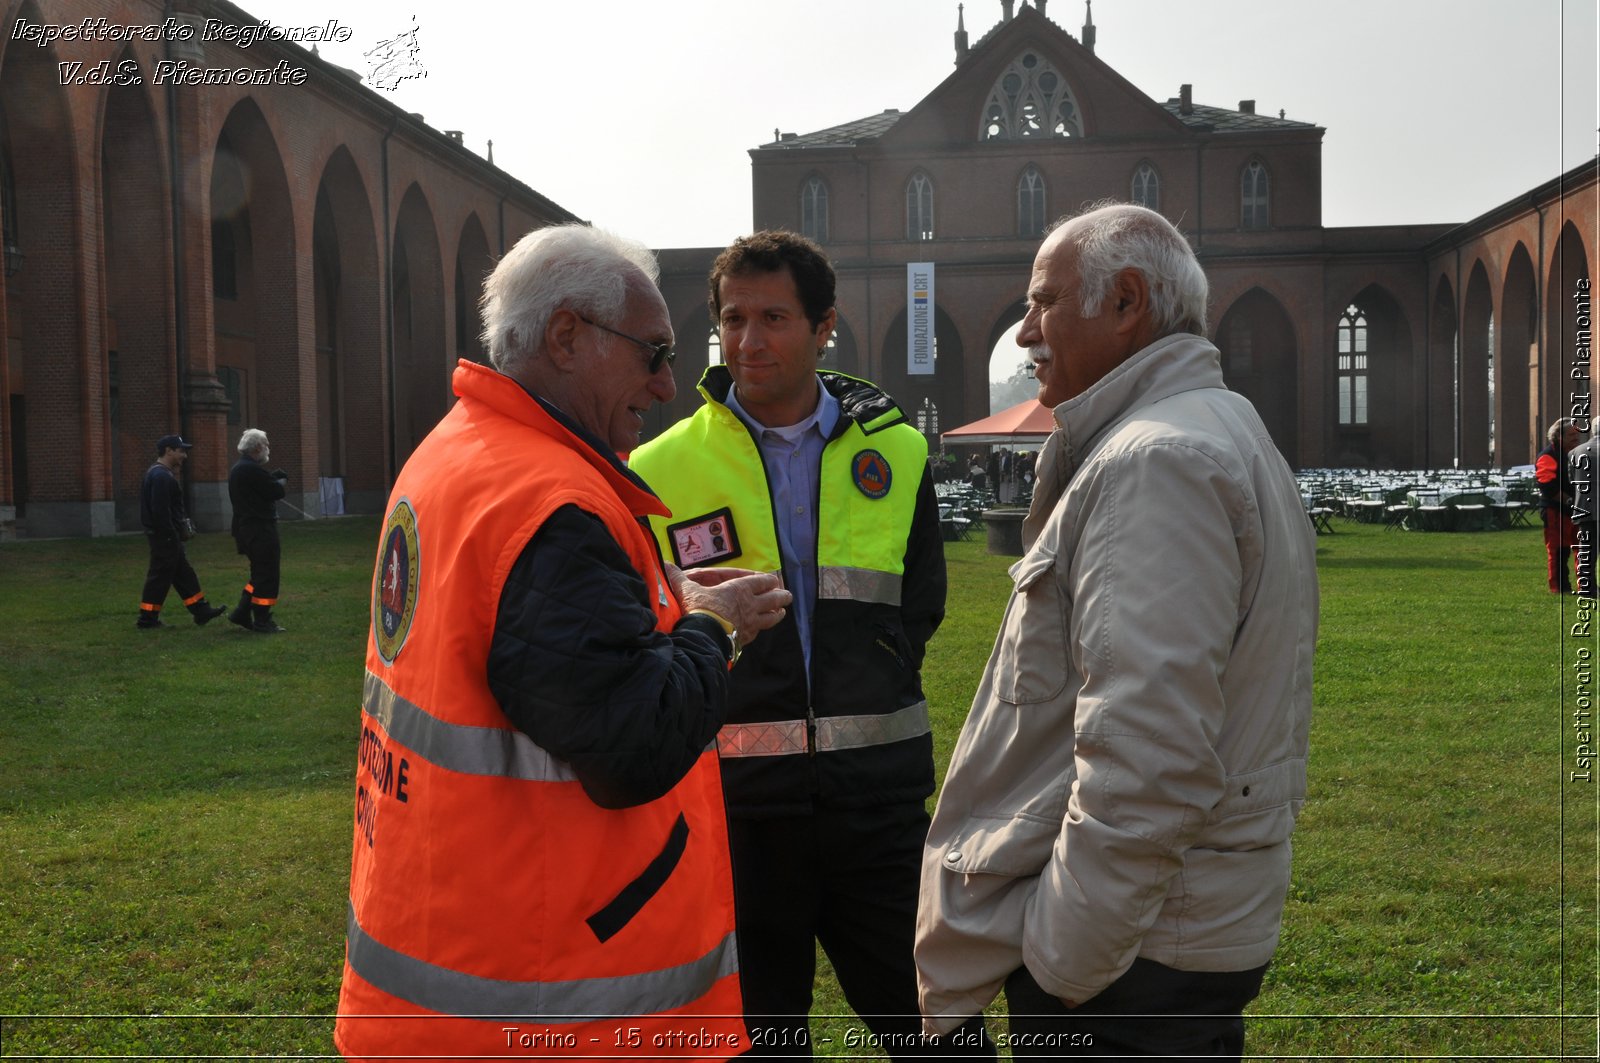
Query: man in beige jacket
1112	840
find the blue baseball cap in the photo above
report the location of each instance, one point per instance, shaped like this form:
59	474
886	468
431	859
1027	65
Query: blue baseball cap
166	443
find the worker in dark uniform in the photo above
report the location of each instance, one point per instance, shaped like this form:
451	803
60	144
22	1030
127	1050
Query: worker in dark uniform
162	513
254	493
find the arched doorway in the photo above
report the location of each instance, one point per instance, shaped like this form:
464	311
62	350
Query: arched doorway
1260	360
348	341
1518	436
140	367
421	369
259	361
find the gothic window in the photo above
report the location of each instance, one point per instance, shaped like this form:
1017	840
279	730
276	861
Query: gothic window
1146	187
1030	203
1030	100
919	208
714	347
1253	197
1352	385
814	210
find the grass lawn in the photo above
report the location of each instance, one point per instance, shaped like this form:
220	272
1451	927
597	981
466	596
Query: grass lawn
175	805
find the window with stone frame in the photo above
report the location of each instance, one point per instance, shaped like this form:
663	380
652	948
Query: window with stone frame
919	207
1031	218
1146	189
1351	384
1253	196
814	210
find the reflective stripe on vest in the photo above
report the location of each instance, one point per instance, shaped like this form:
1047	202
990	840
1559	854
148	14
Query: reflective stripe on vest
833	733
838	582
455	993
470	750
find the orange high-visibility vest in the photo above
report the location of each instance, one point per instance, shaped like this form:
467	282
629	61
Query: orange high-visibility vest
494	908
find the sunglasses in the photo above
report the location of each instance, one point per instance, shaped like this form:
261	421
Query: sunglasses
660	353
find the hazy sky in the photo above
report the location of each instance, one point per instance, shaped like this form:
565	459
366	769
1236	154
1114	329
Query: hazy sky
638	115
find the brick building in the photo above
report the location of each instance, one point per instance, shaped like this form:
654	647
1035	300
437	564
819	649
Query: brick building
1370	346
306	258
300	256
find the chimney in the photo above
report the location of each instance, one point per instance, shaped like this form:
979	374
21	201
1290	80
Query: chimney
1088	24
1005	10
1040	5
961	34
1247	106
455	135
1186	99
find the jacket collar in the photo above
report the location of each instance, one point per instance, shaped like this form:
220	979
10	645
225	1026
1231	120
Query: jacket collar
1167	367
478	384
860	401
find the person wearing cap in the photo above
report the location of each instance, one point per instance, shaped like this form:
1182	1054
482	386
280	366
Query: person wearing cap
254	492
162	513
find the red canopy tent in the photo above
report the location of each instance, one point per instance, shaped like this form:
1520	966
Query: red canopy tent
1026	422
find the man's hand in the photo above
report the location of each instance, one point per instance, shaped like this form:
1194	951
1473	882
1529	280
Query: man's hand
751	601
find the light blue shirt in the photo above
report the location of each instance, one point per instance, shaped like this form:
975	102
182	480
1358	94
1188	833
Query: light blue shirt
793	457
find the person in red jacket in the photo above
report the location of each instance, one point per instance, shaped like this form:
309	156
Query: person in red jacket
1555	501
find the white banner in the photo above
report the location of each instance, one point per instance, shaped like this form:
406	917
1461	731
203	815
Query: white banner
919	318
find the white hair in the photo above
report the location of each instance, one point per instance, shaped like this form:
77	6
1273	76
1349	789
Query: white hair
1111	237
252	440
1558	428
575	267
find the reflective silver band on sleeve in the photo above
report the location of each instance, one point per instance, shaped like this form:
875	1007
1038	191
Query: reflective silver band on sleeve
470	750
452	992
858	585
833	732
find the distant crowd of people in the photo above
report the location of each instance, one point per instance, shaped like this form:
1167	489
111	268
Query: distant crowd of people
1006	475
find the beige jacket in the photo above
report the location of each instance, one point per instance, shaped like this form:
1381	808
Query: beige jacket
1135	757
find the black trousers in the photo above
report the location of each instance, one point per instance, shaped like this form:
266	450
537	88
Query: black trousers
847	879
1152	1011
169	568
265	552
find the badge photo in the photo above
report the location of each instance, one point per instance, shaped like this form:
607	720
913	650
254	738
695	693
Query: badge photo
704	540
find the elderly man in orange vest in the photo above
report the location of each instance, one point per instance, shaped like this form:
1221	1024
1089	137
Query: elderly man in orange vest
541	852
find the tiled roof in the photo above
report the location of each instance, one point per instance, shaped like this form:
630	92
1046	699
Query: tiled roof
1222	120
845	135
